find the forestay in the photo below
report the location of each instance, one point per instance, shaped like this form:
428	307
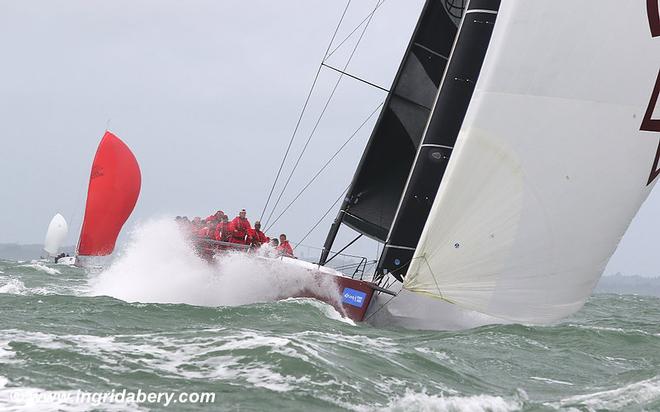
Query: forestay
552	162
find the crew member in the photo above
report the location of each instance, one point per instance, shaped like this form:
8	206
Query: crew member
205	231
285	248
222	231
239	227
255	237
216	217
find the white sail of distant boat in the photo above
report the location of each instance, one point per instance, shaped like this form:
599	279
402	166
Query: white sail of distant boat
56	235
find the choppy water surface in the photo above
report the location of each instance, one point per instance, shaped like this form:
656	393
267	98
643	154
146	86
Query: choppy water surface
56	336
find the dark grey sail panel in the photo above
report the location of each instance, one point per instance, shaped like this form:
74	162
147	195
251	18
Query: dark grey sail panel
444	125
373	198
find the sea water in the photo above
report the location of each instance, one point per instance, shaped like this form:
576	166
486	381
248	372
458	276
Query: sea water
160	320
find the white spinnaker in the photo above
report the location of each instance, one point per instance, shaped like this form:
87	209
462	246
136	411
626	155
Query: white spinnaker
550	166
56	234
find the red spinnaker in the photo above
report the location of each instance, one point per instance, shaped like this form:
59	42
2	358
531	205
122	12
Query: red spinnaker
114	186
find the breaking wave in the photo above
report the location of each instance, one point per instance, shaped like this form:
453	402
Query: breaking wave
12	286
159	265
637	393
42	268
433	403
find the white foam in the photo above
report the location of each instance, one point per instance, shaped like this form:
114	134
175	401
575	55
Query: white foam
5	354
548	380
44	340
328	310
376	346
637	393
608	329
42	268
160	266
41	400
443	356
420	401
13	287
206	357
477	403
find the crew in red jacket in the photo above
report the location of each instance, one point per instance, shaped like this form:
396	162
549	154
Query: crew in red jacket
255	237
239	228
205	231
285	248
222	232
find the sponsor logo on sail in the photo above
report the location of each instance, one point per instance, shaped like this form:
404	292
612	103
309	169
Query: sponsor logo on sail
650	124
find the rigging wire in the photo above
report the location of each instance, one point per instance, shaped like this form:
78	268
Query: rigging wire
353	32
332	207
304	108
318	121
327	163
380	308
320	248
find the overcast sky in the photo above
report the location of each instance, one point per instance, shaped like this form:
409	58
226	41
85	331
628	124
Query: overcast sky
206	93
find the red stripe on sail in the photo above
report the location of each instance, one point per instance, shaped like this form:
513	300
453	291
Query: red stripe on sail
649	124
653	11
114	187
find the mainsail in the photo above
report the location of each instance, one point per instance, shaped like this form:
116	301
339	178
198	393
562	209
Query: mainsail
114	186
55	235
555	156
439	137
376	189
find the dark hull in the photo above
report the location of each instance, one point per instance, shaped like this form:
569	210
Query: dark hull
351	297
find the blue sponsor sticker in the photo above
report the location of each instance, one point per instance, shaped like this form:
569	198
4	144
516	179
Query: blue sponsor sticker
353	297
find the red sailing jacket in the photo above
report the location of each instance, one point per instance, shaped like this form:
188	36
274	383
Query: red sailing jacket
203	232
256	237
222	232
285	249
239	229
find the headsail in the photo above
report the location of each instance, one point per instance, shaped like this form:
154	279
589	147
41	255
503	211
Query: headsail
374	195
56	235
550	166
114	186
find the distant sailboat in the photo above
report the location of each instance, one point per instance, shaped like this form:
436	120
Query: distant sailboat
55	235
114	187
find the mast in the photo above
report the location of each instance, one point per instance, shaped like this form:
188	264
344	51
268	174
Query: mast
375	191
438	141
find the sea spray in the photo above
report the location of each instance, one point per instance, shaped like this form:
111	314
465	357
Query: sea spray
159	265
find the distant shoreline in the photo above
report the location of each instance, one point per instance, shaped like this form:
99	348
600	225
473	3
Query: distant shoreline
15	251
617	283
